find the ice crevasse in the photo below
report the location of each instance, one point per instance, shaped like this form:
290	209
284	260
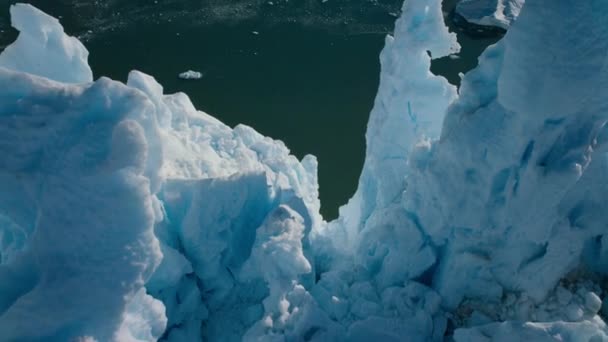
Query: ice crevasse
128	215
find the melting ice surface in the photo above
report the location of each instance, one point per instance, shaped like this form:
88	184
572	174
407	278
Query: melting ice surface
128	215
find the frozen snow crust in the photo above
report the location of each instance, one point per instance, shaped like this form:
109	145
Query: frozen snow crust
128	215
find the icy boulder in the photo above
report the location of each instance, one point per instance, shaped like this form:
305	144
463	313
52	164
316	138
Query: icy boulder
43	49
498	13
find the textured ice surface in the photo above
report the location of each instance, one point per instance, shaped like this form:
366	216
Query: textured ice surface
499	13
217	187
507	201
76	201
514	205
128	215
43	48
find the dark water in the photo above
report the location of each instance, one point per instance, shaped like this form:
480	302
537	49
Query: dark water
473	41
311	89
308	78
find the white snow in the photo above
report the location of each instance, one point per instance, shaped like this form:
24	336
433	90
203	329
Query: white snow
128	215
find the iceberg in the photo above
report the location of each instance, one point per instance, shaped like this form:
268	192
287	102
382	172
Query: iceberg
128	215
497	13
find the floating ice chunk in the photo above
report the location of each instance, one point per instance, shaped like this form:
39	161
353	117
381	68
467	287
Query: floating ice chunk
499	13
190	75
506	144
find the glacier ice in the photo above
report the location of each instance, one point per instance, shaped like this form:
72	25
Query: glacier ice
128	215
70	187
498	13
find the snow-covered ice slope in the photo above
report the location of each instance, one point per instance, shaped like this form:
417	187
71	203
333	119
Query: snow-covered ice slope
499	13
128	215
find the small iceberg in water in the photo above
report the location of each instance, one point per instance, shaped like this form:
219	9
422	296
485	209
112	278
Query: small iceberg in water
191	75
